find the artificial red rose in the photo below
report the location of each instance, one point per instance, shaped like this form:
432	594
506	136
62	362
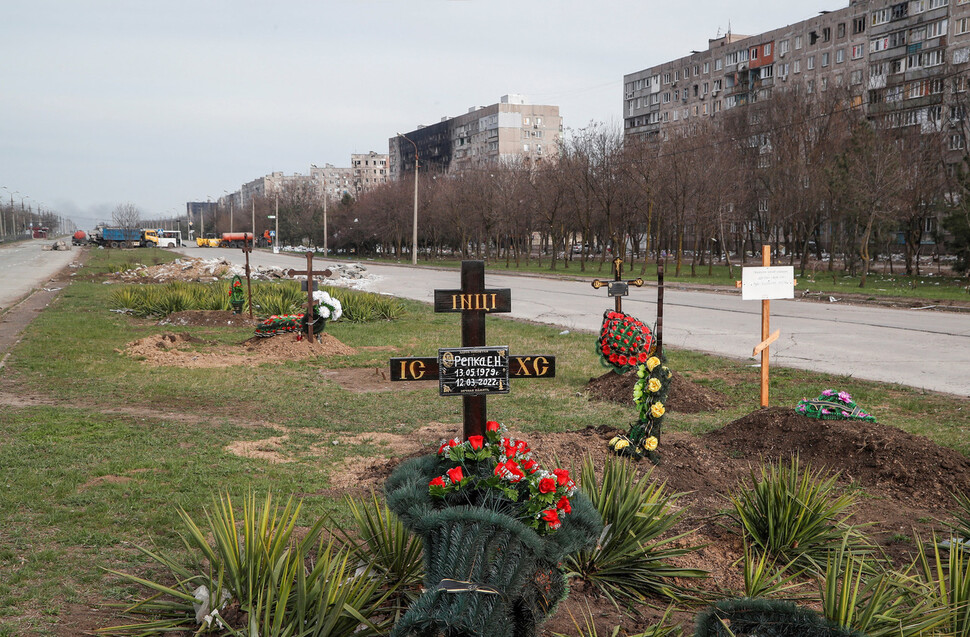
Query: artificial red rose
564	505
642	357
510	471
547	485
613	358
530	465
562	476
455	475
551	517
621	359
491	426
476	442
437	482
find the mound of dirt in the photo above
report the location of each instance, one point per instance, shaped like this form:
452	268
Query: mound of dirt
208	318
686	396
183	350
870	454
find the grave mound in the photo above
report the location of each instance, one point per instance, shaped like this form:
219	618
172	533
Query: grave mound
208	318
183	350
685	396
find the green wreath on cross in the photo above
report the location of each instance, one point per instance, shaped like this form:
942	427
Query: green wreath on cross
236	297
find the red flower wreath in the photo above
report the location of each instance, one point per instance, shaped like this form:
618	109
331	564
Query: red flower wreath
624	342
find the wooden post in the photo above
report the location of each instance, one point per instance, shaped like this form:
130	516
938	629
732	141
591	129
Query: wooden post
765	330
309	272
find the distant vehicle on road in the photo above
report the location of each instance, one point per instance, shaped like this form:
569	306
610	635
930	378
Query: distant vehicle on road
233	240
164	238
120	237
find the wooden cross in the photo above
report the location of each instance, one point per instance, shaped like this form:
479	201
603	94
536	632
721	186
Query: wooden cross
310	273
617	288
474	370
247	248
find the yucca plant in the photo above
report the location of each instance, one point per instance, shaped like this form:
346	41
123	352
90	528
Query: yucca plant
764	578
256	571
880	604
391	550
947	583
962	525
631	559
662	628
795	515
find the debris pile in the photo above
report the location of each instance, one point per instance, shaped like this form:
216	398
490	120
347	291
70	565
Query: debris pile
208	270
57	245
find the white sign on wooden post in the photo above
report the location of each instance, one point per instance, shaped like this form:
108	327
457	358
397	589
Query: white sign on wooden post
775	282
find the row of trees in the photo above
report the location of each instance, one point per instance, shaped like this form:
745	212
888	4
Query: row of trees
808	174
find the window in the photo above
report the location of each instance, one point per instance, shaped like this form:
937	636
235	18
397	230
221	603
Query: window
783	69
936	29
676	75
783	46
717	85
667	78
718	64
666	98
882	16
743	55
960	83
731	58
936	4
707	67
918	34
826	34
855	77
859	25
796	66
697	70
840	56
810	86
901	10
956	142
824	82
754	53
704	88
879	44
840	30
768	49
798	42
766	71
897	38
525	148
811	62
857	51
677	94
897	65
934	113
825	59
963	25
957	113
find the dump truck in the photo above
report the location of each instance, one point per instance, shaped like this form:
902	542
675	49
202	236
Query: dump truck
119	237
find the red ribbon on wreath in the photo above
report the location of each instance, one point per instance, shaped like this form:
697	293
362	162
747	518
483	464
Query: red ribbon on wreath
624	342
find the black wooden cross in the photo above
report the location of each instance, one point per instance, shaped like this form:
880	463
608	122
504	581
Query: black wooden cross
474	370
617	288
309	272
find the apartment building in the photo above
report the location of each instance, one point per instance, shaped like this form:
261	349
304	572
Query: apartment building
903	62
370	170
333	182
511	130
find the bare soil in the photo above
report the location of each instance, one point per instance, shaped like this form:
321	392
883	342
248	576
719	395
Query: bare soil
685	396
183	350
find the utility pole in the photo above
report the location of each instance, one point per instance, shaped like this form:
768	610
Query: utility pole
276	238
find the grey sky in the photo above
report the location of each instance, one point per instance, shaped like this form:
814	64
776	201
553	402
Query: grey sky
161	102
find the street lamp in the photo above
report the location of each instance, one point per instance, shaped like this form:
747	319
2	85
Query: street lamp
230	209
414	235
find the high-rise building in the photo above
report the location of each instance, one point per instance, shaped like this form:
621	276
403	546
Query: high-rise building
904	62
370	170
511	130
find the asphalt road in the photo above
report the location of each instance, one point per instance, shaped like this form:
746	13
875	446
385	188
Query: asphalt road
24	267
925	349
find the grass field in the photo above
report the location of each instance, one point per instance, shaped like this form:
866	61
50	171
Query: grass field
99	449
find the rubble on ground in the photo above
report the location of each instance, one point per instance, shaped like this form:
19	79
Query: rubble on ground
57	245
209	270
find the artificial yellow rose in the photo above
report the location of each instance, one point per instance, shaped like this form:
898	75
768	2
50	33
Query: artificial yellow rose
621	444
654	385
652	362
650	443
614	440
657	410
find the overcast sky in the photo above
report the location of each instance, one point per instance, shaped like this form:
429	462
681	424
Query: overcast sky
162	102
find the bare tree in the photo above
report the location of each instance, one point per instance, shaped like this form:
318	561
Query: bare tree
126	215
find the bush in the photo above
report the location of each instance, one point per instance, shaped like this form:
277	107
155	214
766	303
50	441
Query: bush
795	515
259	580
630	561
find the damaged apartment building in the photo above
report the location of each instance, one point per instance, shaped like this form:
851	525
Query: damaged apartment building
511	130
903	62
